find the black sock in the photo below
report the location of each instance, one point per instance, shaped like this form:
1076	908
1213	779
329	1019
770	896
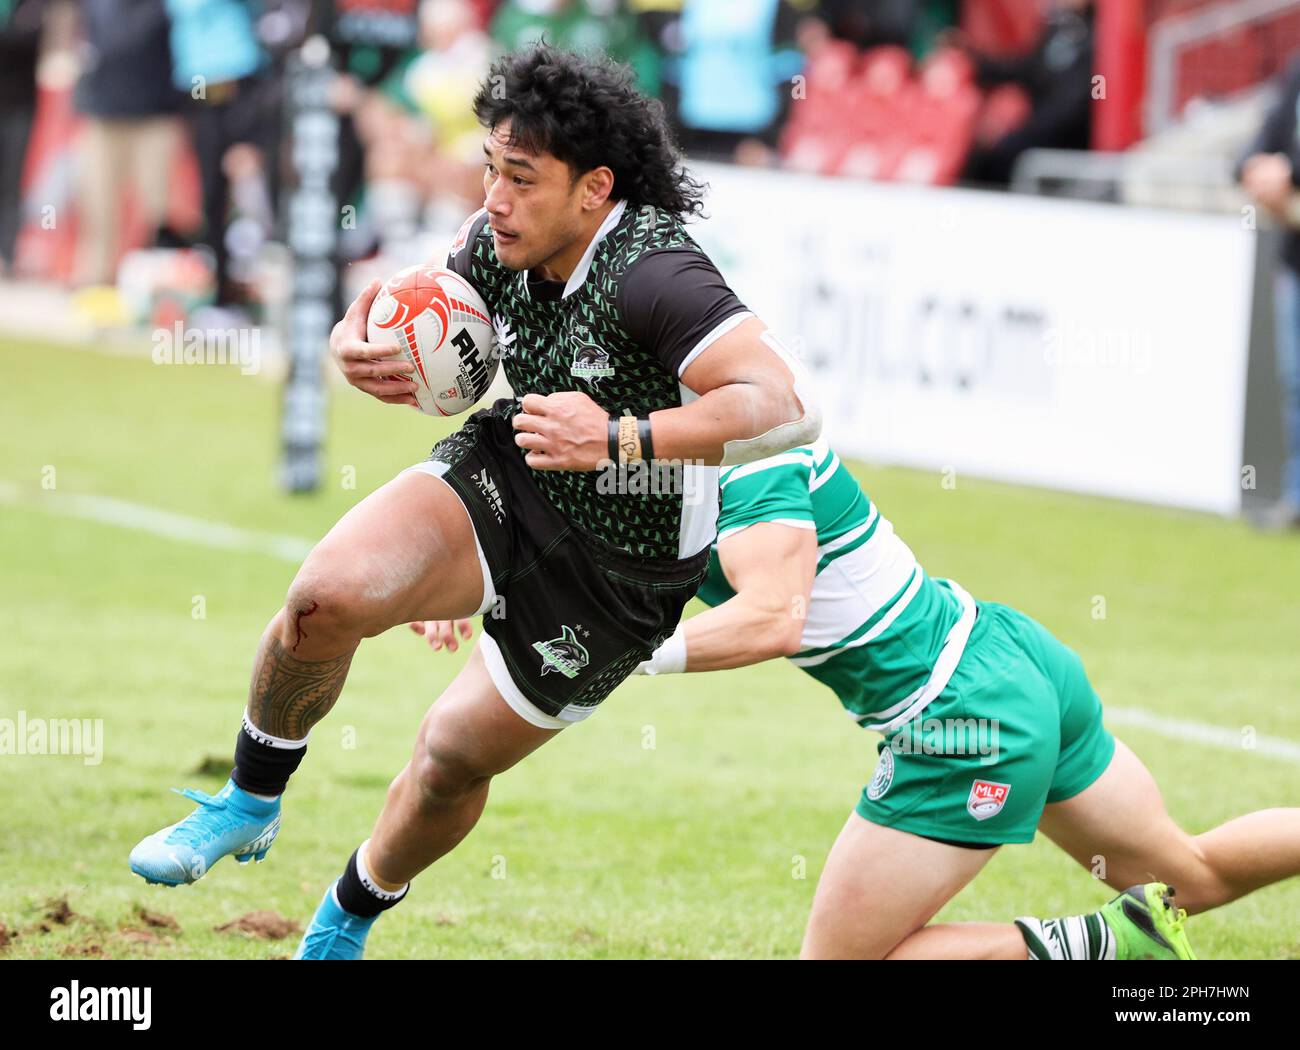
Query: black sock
358	895
263	763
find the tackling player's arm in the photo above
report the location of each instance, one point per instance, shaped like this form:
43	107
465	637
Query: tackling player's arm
771	569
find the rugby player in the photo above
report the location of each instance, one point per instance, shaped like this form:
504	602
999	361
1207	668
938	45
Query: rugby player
917	659
626	343
990	727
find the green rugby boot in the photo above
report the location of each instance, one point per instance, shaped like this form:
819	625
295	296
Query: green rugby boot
1147	924
1141	923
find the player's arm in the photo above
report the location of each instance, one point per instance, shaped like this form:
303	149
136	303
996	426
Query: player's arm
771	567
751	397
748	408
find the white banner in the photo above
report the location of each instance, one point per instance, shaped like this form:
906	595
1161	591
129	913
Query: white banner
1086	347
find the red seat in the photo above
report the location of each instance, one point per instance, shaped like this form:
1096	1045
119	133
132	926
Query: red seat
941	130
1005	108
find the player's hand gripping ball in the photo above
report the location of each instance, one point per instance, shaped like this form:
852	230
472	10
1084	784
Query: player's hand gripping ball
445	334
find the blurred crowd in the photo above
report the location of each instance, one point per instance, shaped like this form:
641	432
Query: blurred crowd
161	122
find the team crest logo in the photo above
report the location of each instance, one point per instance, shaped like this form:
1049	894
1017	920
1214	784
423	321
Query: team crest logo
987	799
884	775
589	360
564	654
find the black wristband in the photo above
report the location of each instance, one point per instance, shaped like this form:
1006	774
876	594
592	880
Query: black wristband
613	437
643	432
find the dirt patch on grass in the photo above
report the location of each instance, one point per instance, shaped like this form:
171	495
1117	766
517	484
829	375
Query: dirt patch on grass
59	912
88	949
264	924
157	920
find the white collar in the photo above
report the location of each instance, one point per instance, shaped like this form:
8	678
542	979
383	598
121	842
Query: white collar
584	264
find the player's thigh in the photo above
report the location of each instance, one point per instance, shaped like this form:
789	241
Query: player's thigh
405	552
470	732
879	886
1104	807
1118	828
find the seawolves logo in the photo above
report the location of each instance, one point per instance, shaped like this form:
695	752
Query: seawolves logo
564	654
589	360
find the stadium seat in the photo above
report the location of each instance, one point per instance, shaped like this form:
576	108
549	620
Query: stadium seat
1005	108
1001	26
941	113
885	71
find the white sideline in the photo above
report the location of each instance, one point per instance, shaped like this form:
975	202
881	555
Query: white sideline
186	529
165	523
1202	733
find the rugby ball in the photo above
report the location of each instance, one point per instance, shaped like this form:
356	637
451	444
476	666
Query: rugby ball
445	332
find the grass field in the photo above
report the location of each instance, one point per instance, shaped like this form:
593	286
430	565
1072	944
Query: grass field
608	848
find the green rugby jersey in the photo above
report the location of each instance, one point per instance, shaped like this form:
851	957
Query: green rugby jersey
641	305
879	631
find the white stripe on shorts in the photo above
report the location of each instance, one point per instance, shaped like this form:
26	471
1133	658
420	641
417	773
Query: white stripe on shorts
520	704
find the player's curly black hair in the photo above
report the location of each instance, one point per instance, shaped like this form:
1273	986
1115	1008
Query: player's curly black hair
584	111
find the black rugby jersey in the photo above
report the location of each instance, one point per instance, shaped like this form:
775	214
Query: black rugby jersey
642	303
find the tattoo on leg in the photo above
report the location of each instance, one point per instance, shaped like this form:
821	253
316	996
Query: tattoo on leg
288	696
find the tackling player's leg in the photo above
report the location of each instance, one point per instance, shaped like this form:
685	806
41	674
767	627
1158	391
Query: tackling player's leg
879	886
469	735
1143	922
1050	746
1121	818
406	552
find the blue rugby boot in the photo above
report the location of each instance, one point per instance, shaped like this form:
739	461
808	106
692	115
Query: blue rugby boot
231	821
334	933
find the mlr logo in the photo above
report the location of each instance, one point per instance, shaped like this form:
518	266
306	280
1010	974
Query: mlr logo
987	799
